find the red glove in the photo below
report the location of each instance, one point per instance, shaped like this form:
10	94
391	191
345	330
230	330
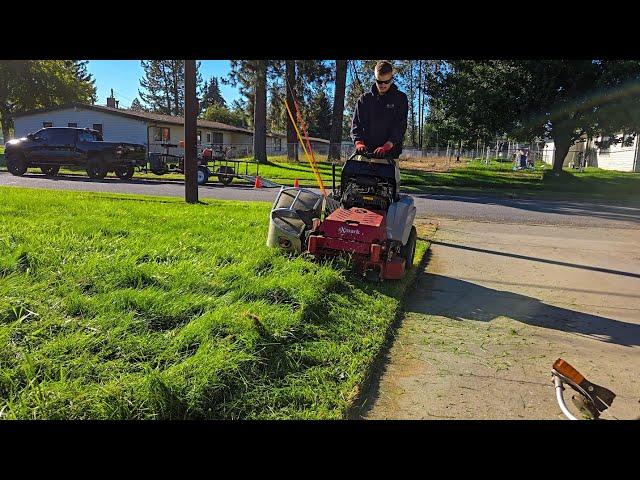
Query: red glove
384	149
361	147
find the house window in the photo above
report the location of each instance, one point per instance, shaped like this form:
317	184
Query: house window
72	125
199	136
277	143
98	127
604	149
208	137
161	134
47	124
217	138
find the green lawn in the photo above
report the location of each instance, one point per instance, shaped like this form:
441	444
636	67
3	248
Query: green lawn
133	307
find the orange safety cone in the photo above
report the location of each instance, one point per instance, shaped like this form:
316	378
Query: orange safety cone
258	183
296	184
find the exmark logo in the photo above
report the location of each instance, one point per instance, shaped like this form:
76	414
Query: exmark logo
344	230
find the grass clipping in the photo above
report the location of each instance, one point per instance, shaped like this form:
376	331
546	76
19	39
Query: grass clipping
130	307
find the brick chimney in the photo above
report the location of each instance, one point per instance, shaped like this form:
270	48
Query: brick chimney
111	101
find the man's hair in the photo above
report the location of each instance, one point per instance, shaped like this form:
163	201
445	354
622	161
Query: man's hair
383	67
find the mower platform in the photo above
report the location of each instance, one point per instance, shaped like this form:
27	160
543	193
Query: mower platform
362	234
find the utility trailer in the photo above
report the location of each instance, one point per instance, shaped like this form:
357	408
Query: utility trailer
210	163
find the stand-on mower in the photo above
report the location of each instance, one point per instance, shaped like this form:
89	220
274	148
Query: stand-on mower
366	218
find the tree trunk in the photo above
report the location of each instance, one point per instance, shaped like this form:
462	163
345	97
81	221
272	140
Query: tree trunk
176	89
335	140
167	93
260	113
5	131
292	141
563	144
411	105
5	120
420	105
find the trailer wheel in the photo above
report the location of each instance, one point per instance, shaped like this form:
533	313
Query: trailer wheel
203	175
96	168
224	179
408	250
124	172
50	171
17	165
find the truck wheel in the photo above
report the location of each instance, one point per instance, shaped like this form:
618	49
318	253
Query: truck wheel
225	180
409	249
203	175
50	171
17	165
96	168
125	172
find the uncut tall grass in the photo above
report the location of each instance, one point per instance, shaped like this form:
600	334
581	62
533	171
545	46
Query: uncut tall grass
132	307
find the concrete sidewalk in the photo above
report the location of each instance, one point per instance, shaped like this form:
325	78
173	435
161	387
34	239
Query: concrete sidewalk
497	305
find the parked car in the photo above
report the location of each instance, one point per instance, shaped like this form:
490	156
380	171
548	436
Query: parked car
54	147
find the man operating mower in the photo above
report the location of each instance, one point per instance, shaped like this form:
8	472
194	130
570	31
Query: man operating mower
380	117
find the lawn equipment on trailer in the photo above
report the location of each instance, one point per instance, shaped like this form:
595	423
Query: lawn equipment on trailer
365	218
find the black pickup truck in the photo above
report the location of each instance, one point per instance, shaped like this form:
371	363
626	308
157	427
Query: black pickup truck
54	147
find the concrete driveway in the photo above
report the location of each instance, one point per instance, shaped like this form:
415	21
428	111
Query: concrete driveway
497	305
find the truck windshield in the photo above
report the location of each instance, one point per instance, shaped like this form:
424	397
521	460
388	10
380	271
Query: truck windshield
89	137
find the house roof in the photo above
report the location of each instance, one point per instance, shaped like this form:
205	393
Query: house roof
155	118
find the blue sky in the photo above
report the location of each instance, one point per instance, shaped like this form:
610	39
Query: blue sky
124	77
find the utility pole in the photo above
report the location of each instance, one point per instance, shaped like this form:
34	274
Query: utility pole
190	133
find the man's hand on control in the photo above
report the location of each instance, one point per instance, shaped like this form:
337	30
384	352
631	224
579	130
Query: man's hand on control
361	147
384	149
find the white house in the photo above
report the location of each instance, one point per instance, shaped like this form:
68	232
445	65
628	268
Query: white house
150	129
616	157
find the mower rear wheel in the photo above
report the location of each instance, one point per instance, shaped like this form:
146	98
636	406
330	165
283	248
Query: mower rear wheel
408	250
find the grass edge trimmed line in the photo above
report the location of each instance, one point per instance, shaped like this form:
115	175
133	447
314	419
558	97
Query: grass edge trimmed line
372	375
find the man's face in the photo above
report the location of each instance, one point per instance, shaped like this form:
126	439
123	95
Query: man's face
383	77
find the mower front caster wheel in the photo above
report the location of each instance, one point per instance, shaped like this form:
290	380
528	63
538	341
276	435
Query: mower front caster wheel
408	250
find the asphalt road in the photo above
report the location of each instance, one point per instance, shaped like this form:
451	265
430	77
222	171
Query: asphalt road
461	207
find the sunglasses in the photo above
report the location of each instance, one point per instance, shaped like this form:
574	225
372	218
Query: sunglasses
384	82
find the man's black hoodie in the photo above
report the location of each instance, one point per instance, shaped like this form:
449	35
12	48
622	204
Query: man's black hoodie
379	118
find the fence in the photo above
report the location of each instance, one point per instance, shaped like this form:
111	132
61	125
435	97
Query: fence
486	154
241	150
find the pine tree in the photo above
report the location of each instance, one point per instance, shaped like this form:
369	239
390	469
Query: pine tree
136	106
243	76
211	94
163	85
276	111
260	113
338	110
319	114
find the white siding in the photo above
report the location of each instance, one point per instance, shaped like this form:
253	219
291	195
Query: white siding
114	127
617	157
